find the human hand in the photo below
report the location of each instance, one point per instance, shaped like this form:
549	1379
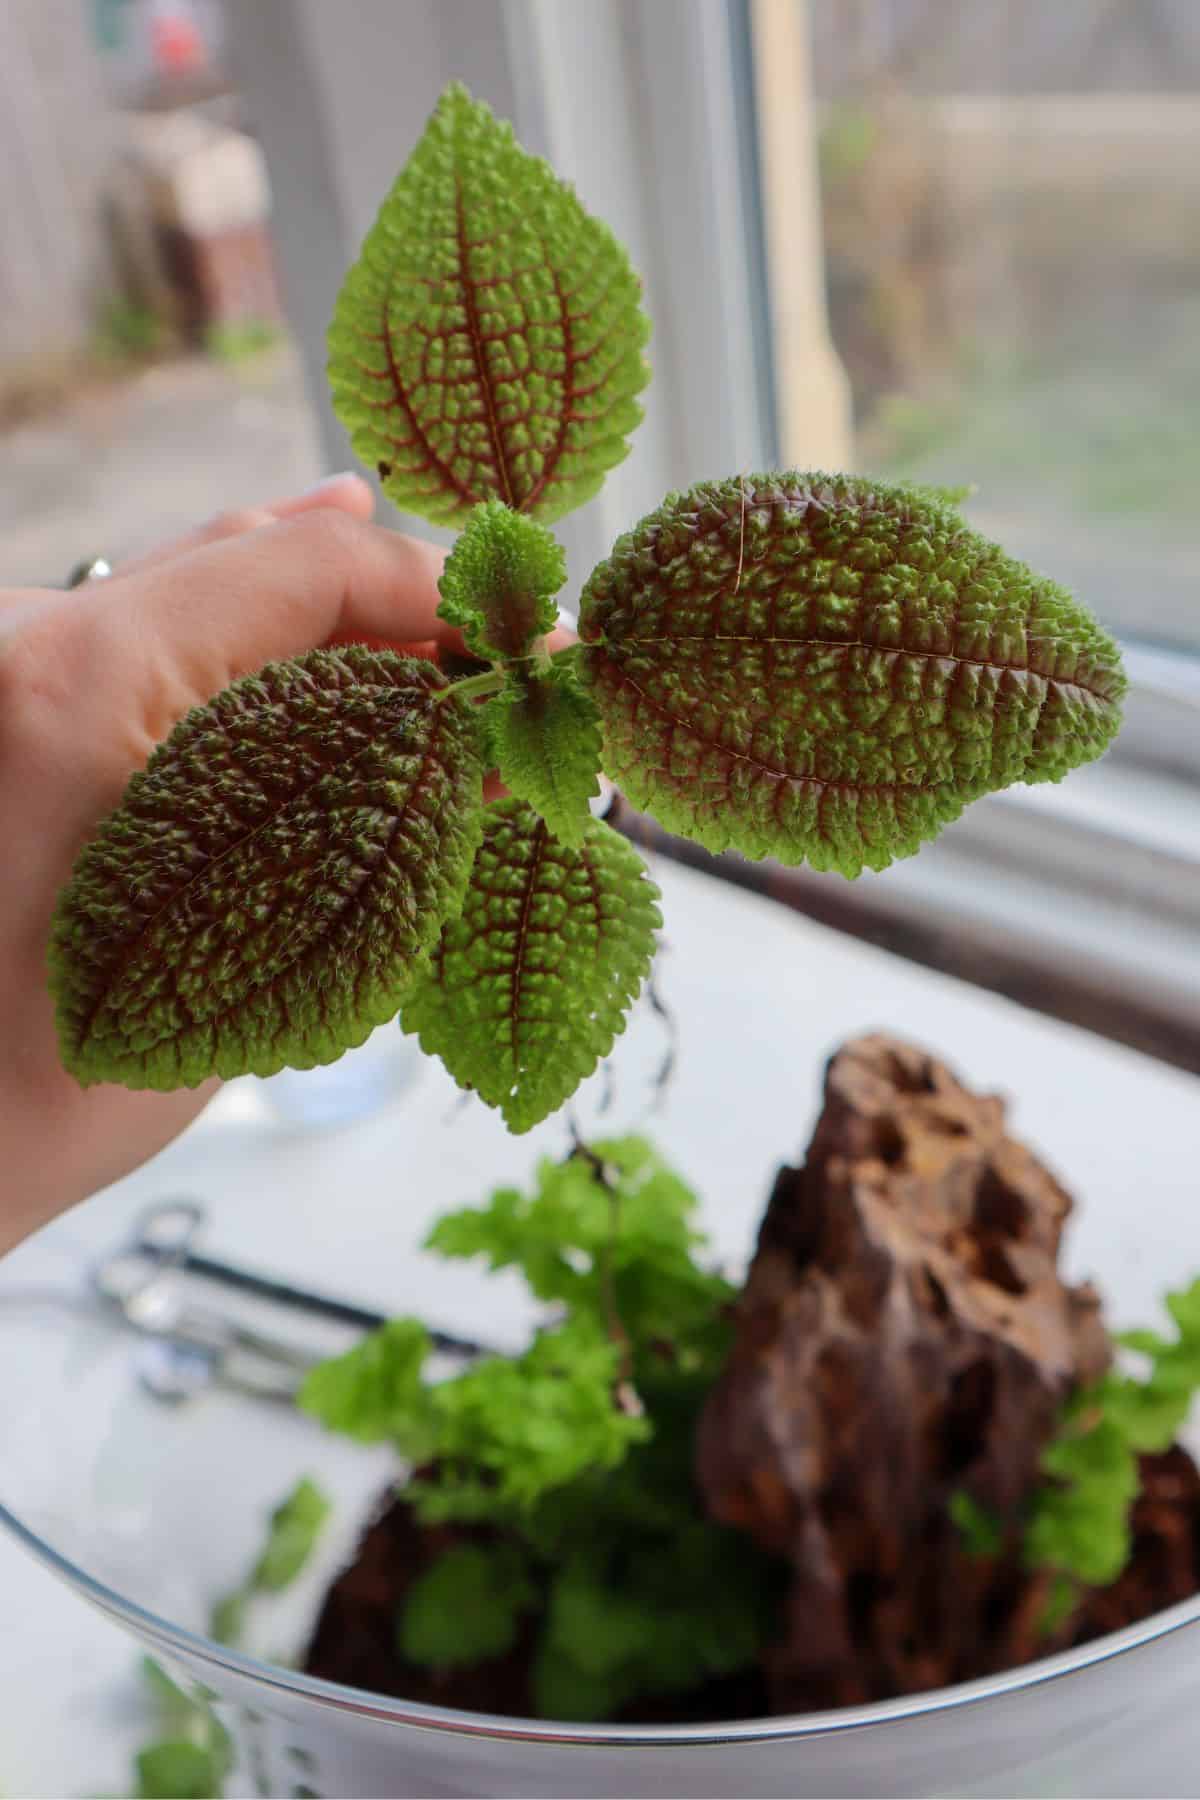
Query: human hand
90	682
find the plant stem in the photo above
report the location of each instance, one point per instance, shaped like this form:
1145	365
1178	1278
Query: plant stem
625	1394
474	687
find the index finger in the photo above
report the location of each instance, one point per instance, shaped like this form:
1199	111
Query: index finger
226	609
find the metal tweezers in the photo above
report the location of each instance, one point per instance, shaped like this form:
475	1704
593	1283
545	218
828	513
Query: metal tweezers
189	1346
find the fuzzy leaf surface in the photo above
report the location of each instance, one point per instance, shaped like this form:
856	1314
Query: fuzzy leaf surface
544	732
267	886
499	582
488	343
530	984
827	669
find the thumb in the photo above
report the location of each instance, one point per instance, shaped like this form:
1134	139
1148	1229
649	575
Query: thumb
291	585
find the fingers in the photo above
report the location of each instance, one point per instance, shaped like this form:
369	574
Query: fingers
229	607
347	493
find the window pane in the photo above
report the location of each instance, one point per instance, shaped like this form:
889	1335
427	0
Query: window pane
1010	195
147	374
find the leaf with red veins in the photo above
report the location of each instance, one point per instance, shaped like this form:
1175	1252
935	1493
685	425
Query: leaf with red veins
268	886
530	984
488	343
827	669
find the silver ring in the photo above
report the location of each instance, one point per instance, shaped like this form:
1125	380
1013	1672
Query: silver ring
96	568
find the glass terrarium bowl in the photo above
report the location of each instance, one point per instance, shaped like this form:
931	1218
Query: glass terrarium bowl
150	1510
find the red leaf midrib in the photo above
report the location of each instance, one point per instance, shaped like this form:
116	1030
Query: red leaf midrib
479	350
612	645
541	837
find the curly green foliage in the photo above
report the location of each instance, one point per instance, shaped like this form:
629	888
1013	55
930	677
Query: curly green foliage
530	984
510	1430
266	889
499	582
374	1392
501	1433
1079	1521
467	1606
598	1542
544	737
645	1614
625	1240
827	669
488	343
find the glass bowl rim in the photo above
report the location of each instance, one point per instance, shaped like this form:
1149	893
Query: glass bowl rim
332	1696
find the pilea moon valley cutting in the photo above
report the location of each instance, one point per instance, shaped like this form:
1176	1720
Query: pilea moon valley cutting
816	668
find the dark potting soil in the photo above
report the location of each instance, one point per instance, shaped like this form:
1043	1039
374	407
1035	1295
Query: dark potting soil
355	1637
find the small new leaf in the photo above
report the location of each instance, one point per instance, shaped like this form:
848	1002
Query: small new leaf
828	669
267	887
487	345
499	582
544	732
530	984
466	1607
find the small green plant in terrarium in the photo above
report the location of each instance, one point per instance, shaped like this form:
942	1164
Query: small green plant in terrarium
816	668
562	1479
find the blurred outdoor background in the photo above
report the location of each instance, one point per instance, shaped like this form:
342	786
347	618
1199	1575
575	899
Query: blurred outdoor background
1009	250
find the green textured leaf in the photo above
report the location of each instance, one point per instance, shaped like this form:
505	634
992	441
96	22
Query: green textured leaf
373	1392
296	1524
953	495
487	345
264	892
544	733
530	984
827	669
499	582
467	1606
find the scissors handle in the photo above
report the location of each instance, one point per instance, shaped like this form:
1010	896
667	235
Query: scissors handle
196	1344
